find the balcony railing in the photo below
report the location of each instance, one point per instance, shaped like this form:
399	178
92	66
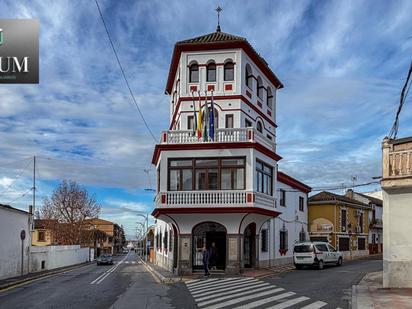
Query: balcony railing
232	135
400	163
214	198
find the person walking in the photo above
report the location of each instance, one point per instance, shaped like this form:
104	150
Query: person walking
206	261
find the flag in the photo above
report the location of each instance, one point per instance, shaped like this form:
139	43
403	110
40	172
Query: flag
205	119
212	120
199	120
194	115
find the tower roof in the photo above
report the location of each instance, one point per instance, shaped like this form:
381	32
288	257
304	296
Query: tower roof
215	41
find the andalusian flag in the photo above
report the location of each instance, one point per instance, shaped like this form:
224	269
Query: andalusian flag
199	120
212	120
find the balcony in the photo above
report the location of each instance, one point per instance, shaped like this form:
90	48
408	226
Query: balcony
397	162
376	223
220	198
234	135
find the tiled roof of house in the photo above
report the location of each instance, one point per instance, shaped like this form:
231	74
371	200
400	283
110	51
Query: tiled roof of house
325	196
213	38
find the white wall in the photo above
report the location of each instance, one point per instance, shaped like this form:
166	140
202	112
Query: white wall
163	256
57	256
12	222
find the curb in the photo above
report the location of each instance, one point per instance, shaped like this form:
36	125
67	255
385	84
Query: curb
43	275
159	276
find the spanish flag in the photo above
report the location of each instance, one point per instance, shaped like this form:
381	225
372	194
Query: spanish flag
199	120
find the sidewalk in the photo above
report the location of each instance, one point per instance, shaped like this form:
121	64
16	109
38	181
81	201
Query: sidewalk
266	272
9	282
370	294
161	274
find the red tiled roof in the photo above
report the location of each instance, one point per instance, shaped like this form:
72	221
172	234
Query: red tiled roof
325	196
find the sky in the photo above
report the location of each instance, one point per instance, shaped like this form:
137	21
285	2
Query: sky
343	64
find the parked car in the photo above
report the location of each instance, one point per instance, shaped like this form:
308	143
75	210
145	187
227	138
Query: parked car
315	253
125	251
105	259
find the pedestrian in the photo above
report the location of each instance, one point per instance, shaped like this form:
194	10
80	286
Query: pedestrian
206	261
212	256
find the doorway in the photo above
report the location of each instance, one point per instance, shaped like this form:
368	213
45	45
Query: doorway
213	236
249	246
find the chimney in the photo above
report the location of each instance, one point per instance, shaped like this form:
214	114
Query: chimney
30	209
349	193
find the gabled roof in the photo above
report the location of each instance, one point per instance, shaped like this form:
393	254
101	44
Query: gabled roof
325	196
294	183
8	207
215	41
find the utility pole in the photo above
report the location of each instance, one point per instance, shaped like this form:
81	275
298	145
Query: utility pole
34	184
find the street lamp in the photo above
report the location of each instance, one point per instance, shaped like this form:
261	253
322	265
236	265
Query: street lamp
146	217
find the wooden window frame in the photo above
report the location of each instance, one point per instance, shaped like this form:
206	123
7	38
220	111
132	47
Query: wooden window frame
262	172
301	203
227	116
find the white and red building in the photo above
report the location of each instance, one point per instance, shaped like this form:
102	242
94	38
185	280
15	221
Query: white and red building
223	190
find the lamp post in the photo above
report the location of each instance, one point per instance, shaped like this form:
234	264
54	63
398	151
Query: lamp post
146	217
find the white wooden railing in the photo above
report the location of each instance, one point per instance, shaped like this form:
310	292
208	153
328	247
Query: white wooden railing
221	136
400	163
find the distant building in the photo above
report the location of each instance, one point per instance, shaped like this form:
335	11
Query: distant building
15	224
115	240
375	219
397	212
42	234
341	221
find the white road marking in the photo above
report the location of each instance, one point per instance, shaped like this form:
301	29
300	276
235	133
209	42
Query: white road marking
201	282
252	291
289	303
192	281
210	283
220	288
220	284
231	290
249	297
263	301
315	305
127	262
100	278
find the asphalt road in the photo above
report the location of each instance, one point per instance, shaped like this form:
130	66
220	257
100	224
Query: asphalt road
332	285
126	284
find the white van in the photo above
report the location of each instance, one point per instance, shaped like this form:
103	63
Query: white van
315	253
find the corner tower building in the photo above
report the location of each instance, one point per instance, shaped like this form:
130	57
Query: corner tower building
216	187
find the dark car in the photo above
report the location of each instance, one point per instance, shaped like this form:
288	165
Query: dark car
105	259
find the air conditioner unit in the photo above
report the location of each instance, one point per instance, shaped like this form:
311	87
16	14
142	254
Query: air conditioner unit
358	229
358	213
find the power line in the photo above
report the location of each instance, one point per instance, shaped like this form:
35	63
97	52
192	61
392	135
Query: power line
124	75
404	93
17	177
20	196
332	188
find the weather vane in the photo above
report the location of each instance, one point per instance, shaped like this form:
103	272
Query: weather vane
218	10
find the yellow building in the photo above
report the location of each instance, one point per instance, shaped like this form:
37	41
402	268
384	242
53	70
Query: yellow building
41	236
341	221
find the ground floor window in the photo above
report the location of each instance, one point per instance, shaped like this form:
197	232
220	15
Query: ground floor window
362	243
264	240
343	243
283	240
302	235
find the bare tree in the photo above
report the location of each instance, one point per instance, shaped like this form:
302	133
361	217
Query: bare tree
66	211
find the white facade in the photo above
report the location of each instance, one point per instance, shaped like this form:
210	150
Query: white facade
163	245
51	257
14	253
397	205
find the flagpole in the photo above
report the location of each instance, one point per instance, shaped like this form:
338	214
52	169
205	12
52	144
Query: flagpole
194	115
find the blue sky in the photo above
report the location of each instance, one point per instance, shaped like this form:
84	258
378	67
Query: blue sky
343	64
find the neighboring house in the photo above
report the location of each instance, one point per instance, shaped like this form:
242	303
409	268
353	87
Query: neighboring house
341	221
14	252
218	187
397	208
115	239
375	219
42	235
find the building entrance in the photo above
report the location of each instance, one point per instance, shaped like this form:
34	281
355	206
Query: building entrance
249	246
213	236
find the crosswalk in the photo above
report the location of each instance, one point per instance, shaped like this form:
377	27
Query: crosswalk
246	293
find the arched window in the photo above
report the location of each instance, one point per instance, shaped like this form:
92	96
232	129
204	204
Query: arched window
259	87
259	127
248	76
211	72
229	71
194	73
269	99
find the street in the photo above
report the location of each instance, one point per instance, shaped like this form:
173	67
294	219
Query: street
128	284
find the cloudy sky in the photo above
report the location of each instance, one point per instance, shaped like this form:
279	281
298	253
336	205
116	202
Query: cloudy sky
343	64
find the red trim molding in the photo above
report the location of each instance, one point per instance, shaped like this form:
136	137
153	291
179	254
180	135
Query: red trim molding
228	87
207	146
296	184
253	55
214	210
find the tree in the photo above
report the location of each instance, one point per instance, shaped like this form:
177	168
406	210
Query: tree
66	211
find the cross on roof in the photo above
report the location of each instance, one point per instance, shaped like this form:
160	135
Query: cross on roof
218	10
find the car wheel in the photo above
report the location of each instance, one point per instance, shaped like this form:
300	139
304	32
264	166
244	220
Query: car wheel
298	266
320	265
339	263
